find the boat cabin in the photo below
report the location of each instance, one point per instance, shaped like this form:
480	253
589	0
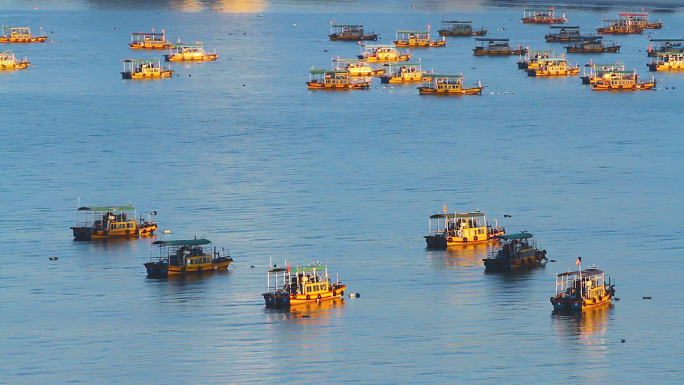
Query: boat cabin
335	79
112	221
350	32
189	52
403	73
531	59
640	19
665	45
144	69
620	26
542	16
555	66
623	80
515	250
585	44
21	35
417	39
9	62
667	61
596	71
383	52
456	28
357	67
185	256
149	40
495	46
562	33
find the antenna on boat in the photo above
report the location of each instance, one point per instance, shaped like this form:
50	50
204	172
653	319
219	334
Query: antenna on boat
79	201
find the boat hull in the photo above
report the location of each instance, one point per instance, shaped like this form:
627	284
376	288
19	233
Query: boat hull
191	58
142	76
498	52
15	66
353	37
401	44
678	66
37	39
86	233
624	87
286	300
148	45
337	86
593	50
455	92
161	270
501	264
531	20
565	303
535	73
439	242
375	59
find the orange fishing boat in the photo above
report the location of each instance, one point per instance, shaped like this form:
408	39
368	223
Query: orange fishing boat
449	229
557	66
184	257
21	35
591	44
460	28
350	32
420	39
9	62
149	40
542	16
495	46
383	53
336	80
111	222
582	289
301	285
623	80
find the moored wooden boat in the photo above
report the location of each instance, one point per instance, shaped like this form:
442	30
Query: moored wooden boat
350	32
20	35
383	53
189	52
620	27
495	46
665	45
591	44
417	39
9	62
301	285
111	222
516	250
144	69
440	84
623	80
582	289
190	256
562	33
449	229
149	40
596	71
667	61
460	28
640	19
542	16
322	79
403	73
557	66
357	67
531	59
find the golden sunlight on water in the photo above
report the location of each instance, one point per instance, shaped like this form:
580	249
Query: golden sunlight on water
231	6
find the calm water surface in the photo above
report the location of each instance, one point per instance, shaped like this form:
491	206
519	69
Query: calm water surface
241	152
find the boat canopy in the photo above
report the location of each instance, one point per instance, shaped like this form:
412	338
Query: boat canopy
490	39
579	37
147	34
183	45
107	208
561	26
585	273
633	14
454	215
538	9
510	237
302	269
321	72
189	242
155	60
456	22
666	40
530	52
346	26
669	53
380	46
414	32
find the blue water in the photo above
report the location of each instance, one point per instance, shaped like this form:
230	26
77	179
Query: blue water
240	152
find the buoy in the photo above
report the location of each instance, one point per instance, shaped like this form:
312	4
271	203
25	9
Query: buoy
52	258
56	258
623	341
166	231
552	260
352	295
252	266
617	299
358	295
647	297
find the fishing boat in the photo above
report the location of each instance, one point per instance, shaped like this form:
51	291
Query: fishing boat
495	46
619	27
417	39
357	67
350	32
667	61
531	59
542	16
440	84
516	250
301	285
189	52
641	19
557	66
449	229
9	62
596	71
403	73
21	35
582	289
592	44
149	40
335	80
111	222
665	45
144	69
190	256
623	80
460	28
562	33
383	53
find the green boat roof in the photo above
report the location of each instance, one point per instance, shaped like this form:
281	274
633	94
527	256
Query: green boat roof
147	34
141	60
107	208
510	237
457	215
188	242
302	269
182	45
380	46
414	32
490	39
552	59
321	72
442	76
669	53
538	10
539	51
346	25
666	40
456	22
561	26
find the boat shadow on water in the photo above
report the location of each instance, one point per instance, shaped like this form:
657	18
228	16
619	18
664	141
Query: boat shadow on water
590	323
306	312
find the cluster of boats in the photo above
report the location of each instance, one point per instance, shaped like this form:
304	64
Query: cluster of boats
286	287
575	290
8	60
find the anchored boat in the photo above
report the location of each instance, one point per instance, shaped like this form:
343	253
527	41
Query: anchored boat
459	28
667	61
145	69
447	229
350	32
665	45
562	33
495	46
531	59
111	222
596	72
641	19
403	73
357	67
623	80
557	66
9	62
420	39
335	80
303	284
383	53
582	289
21	35
542	16
189	52
516	250
439	84
591	44
620	27
185	257
149	40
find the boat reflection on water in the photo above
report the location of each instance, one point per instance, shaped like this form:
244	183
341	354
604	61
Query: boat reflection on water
308	312
469	254
589	326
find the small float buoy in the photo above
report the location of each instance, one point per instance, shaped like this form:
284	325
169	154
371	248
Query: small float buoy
244	85
617	299
552	260
505	93
622	341
507	215
252	266
358	295
52	258
512	93
647	297
325	50
352	295
189	74
166	231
